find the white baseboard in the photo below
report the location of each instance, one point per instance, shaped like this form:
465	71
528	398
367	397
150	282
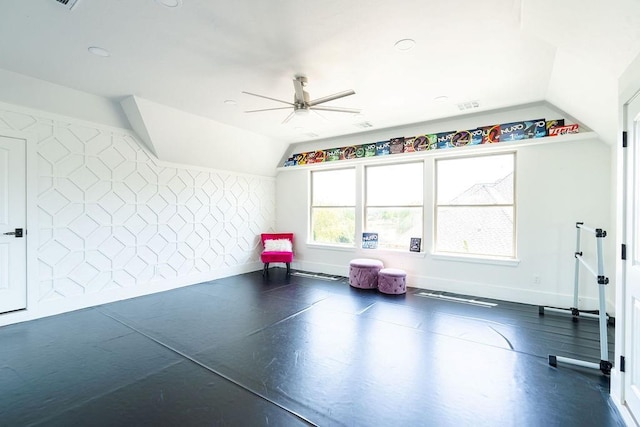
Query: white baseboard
476	289
315	267
64	305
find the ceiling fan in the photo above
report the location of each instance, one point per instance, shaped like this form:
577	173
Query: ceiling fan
302	104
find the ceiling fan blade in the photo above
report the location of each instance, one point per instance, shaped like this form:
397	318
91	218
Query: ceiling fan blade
268	109
289	117
267	97
331	97
336	109
297	85
318	114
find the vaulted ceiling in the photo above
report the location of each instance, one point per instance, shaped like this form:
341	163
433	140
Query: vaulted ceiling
198	57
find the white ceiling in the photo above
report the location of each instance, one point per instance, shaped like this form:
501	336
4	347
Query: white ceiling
192	58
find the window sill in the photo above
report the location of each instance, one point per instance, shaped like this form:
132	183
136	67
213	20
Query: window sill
396	252
331	247
364	252
508	262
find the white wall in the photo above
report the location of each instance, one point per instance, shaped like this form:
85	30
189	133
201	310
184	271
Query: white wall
161	127
112	222
29	92
557	184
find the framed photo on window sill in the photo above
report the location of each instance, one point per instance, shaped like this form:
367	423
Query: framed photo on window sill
369	240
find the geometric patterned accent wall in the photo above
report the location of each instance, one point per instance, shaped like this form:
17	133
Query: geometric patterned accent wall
110	215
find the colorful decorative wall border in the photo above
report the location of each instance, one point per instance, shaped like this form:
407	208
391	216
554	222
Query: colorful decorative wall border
506	132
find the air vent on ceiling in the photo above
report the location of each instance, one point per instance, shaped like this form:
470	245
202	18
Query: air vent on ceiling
469	105
69	4
364	125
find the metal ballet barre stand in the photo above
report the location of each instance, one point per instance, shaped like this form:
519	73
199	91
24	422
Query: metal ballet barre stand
604	365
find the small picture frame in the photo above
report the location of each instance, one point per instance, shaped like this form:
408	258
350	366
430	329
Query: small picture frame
369	240
415	245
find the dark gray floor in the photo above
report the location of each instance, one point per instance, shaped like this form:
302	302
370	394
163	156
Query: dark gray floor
300	351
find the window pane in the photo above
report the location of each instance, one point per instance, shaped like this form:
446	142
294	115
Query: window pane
480	230
485	180
395	226
333	225
334	187
395	185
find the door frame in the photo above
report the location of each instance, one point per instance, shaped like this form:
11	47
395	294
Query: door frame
622	159
31	188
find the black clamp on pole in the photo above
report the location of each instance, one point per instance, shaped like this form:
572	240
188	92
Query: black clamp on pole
578	224
605	367
600	232
603	280
577	254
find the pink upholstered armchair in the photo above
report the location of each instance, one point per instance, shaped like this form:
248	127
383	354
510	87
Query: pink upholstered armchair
278	247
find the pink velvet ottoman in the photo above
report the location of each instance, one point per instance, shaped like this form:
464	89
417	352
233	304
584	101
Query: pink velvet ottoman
392	281
363	273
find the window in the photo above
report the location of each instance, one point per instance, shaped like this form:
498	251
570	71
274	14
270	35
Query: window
475	206
394	203
333	199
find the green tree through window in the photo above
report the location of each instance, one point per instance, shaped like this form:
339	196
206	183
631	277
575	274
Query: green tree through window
333	209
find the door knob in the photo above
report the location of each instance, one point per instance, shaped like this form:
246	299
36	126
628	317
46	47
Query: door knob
17	233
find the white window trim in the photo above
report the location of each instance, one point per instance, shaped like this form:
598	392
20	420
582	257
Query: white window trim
333	246
478	258
366	206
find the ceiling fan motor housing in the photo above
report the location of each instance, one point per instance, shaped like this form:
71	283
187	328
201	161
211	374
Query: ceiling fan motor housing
301	105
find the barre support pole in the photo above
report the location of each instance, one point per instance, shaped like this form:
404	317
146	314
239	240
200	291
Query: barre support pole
602	282
604	365
576	275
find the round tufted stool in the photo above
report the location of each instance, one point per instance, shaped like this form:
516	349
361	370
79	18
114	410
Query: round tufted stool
392	281
363	273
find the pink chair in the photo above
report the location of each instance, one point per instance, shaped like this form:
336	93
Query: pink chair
278	247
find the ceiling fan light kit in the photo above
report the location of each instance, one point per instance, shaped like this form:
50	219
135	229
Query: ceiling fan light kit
302	104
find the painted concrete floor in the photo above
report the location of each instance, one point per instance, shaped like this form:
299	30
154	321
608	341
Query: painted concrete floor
248	351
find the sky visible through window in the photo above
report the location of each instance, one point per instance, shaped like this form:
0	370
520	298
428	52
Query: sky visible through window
395	185
455	176
334	188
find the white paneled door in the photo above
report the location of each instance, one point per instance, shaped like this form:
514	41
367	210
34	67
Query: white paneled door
13	248
632	265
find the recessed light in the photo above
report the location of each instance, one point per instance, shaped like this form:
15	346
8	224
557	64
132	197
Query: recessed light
405	44
441	98
230	102
364	125
169	3
98	51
